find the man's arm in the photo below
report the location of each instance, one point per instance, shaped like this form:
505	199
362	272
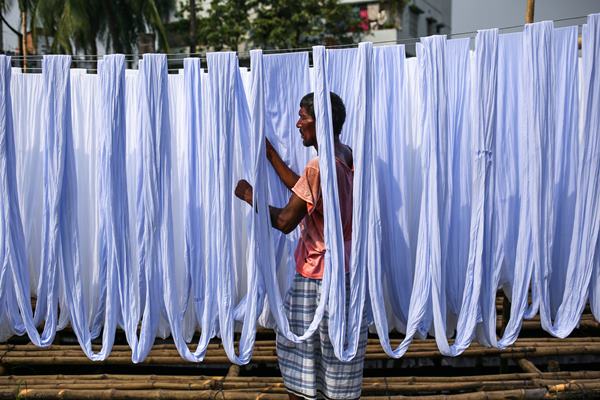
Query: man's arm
285	219
285	173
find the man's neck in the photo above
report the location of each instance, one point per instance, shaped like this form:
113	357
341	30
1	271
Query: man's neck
336	142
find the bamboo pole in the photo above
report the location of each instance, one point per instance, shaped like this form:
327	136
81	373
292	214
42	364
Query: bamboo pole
575	390
530	11
537	393
234	370
140	394
181	395
589	383
368	390
11	379
528	366
269	345
24	37
484	389
411	353
201	378
265	352
370	387
171	357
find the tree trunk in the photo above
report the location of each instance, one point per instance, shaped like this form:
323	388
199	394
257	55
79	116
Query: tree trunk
93	62
1	37
192	26
113	31
24	38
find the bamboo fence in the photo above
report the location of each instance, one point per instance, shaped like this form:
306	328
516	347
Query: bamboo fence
530	369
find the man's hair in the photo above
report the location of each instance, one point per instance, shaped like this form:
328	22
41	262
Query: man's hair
338	110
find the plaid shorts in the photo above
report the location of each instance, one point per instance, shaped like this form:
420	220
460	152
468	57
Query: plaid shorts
311	369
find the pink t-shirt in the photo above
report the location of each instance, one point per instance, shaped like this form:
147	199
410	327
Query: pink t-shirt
310	253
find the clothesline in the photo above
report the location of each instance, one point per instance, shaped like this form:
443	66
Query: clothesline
179	57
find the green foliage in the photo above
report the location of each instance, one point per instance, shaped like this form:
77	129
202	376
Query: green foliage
72	24
152	13
286	24
75	25
270	24
226	25
121	27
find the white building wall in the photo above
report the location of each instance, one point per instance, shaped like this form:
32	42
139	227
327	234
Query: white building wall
419	18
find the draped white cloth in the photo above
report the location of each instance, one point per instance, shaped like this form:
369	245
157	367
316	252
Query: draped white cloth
475	171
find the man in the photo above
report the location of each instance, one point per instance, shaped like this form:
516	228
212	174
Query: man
310	369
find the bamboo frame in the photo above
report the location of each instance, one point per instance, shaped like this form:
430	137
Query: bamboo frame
266	353
562	375
29	386
107	386
532	383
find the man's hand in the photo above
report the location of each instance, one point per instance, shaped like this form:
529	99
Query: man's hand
285	173
243	191
270	150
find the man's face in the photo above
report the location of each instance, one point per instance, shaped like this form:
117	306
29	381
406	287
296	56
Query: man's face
306	125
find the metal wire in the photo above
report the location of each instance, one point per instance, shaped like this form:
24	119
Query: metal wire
179	57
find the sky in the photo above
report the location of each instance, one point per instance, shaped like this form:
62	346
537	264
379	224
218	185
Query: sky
471	15
467	15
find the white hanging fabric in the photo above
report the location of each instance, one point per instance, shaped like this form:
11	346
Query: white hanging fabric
474	172
418	314
562	116
480	239
366	226
60	247
12	239
179	136
460	67
226	139
114	253
434	217
26	93
154	235
200	278
584	255
281	113
507	197
391	137
261	224
85	117
566	127
60	252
